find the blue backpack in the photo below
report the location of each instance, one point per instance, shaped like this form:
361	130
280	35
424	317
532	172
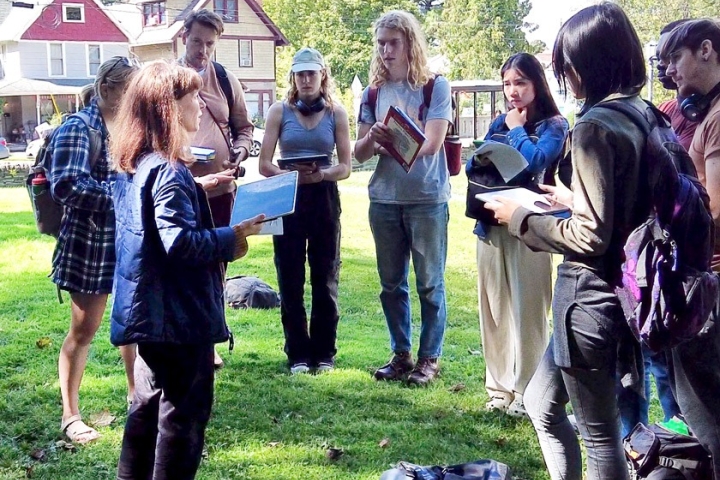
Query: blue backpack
668	290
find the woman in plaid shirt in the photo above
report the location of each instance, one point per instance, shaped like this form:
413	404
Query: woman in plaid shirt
84	258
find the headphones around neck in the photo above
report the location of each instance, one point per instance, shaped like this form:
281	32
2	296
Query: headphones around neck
307	110
696	106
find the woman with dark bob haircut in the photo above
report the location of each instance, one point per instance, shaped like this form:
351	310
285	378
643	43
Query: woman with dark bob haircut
598	56
514	283
168	286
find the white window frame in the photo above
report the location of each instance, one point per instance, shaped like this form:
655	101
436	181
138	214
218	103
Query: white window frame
49	59
81	6
162	21
87	57
240	57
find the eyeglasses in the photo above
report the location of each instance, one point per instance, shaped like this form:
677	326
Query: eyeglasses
127	62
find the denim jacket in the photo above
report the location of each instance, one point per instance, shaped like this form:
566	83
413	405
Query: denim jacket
540	143
168	278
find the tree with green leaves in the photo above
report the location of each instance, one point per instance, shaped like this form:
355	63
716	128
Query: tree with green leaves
477	36
340	29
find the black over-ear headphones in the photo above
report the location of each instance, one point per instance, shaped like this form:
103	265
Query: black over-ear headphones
696	106
307	110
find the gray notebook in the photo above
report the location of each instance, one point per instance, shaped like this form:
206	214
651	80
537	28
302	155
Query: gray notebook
273	196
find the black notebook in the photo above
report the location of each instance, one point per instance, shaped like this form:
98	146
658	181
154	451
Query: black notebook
320	160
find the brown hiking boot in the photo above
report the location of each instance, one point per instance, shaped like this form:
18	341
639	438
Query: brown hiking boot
424	372
399	366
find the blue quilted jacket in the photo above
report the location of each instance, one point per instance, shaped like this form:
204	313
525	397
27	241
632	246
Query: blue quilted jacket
168	284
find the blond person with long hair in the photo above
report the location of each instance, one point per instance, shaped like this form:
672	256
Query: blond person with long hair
168	285
84	257
408	211
309	122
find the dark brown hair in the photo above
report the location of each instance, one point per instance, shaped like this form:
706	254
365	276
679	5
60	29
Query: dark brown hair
690	35
149	119
206	18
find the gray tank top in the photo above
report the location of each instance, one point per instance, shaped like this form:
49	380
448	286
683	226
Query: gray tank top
296	141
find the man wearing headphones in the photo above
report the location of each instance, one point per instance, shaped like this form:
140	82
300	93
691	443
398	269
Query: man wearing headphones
684	128
224	124
692	56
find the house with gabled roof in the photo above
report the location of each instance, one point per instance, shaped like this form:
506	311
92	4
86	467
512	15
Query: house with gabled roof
247	46
50	49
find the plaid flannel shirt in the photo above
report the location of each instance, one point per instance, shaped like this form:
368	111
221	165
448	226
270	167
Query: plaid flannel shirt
84	257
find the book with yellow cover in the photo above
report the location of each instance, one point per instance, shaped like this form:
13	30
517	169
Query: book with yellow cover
407	137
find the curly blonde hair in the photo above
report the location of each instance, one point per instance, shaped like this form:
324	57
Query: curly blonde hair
418	72
327	87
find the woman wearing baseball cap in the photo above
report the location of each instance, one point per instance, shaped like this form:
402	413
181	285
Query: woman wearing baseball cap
309	123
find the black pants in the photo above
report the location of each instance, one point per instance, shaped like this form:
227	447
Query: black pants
315	228
165	429
695	380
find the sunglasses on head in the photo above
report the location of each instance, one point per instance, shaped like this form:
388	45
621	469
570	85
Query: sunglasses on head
127	62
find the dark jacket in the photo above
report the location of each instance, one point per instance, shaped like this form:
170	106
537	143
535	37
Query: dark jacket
168	278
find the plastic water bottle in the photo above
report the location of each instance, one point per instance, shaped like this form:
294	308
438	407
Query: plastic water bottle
39	183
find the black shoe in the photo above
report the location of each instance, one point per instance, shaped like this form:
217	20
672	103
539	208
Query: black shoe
398	367
424	372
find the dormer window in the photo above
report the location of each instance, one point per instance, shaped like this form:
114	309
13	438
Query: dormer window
227	9
154	14
73	13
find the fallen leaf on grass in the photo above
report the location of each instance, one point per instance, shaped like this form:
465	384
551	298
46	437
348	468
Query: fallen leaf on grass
102	419
43	342
29	471
273	444
65	445
334	453
474	352
38	454
501	441
384	442
457	388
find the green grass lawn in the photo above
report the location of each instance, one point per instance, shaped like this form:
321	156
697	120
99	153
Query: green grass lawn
265	423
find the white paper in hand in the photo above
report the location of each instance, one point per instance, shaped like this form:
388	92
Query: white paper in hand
506	159
527	198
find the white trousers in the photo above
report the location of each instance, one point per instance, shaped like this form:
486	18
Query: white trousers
514	295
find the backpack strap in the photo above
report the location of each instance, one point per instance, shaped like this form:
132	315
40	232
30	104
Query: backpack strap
427	96
371	101
680	464
95	136
638	117
226	88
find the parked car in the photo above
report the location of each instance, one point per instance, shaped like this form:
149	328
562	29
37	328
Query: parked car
4	150
32	149
258	135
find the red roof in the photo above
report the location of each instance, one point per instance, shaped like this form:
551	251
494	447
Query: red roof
97	26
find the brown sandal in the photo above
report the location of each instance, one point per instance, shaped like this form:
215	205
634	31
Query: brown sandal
77	431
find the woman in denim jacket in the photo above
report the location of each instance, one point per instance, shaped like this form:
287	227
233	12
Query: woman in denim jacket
168	285
592	343
514	283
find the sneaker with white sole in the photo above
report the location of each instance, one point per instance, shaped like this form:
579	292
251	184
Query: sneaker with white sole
497	402
517	407
300	367
324	367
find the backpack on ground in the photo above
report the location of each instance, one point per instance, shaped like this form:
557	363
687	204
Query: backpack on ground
48	213
668	290
452	145
657	453
250	292
477	470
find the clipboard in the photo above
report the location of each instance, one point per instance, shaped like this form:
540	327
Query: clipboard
320	160
273	196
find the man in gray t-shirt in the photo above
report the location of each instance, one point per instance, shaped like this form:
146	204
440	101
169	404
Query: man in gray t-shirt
408	210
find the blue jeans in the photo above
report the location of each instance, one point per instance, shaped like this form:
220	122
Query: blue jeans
421	231
579	367
633	407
